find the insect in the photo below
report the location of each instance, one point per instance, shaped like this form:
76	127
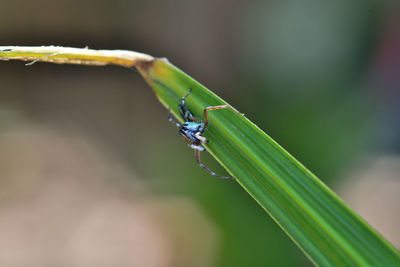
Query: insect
192	130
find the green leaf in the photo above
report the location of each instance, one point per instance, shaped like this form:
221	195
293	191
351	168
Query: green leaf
324	227
328	231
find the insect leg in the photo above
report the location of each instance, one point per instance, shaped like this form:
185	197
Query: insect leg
197	152
197	147
184	111
201	138
172	120
205	116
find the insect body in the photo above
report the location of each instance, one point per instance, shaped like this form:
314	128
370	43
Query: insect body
192	130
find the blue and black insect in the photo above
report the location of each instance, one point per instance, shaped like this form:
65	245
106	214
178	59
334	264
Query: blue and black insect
192	130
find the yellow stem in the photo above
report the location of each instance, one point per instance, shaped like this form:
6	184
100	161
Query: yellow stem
69	55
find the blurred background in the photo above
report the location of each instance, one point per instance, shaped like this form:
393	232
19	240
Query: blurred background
93	174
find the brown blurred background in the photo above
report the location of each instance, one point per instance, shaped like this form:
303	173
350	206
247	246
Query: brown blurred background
93	174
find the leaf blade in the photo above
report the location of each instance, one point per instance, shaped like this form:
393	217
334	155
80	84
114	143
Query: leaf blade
322	225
